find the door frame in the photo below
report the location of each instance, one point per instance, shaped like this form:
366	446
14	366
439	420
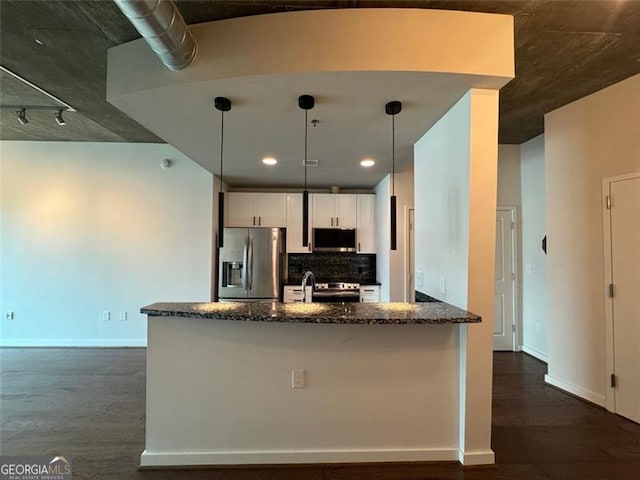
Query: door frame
516	340
610	392
409	296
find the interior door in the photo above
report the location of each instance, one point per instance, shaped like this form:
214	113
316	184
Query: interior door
625	260
504	320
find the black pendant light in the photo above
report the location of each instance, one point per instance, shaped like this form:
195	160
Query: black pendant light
305	102
393	108
223	105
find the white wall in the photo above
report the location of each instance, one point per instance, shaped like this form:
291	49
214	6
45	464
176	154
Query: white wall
585	141
390	265
455	200
509	176
89	227
534	261
442	206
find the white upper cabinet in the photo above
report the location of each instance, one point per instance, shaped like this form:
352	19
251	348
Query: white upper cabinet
240	209
272	209
250	209
323	209
365	228
334	210
294	225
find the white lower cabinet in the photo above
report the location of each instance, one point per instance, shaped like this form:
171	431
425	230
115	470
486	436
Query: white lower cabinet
369	293
293	294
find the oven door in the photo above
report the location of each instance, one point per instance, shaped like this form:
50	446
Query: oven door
336	296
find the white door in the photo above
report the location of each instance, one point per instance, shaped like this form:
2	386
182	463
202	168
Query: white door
503	323
323	210
272	210
625	263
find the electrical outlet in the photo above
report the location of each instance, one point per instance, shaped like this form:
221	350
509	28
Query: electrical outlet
106	315
297	378
123	316
10	315
443	286
419	278
538	326
528	268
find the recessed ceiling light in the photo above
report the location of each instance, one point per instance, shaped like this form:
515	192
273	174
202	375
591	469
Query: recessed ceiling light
269	161
368	162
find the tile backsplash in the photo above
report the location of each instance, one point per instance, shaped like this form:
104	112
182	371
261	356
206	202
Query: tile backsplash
333	266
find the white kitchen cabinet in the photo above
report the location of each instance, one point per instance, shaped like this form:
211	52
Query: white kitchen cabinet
294	224
370	294
272	210
365	225
293	294
334	210
251	209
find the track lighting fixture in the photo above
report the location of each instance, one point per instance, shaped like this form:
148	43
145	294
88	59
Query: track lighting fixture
22	116
21	112
306	103
58	116
393	108
221	104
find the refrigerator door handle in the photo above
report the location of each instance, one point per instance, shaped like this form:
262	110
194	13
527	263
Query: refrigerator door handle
245	258
250	262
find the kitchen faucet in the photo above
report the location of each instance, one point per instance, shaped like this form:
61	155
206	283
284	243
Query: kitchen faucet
305	277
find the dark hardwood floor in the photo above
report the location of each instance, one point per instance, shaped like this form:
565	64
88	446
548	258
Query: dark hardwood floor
89	404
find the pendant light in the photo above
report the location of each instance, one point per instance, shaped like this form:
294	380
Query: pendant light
305	102
393	108
223	105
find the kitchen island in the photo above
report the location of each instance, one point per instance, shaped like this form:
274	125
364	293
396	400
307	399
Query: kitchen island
273	383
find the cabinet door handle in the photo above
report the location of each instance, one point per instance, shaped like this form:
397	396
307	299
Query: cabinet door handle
332	221
358	246
259	220
337	221
309	246
254	221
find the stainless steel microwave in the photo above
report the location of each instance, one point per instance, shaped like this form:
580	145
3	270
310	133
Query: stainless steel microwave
334	240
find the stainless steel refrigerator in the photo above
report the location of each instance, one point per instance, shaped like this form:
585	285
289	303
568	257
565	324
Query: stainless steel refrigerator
251	264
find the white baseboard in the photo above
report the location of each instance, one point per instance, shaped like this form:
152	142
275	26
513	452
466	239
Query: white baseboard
482	457
72	342
575	390
265	457
535	353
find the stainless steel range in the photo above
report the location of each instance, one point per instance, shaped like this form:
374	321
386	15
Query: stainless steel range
336	292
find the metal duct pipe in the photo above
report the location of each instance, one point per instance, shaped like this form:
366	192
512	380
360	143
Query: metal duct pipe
164	29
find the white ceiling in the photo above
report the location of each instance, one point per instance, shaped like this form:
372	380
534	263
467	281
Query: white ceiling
265	120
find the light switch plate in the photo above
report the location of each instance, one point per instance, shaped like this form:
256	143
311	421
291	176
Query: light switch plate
419	278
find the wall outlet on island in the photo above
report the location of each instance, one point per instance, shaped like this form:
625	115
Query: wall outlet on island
106	315
419	278
123	316
297	378
10	315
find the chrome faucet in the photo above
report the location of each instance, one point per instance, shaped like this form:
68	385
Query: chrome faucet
305	277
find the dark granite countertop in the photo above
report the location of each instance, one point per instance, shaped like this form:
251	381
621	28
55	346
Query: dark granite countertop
342	313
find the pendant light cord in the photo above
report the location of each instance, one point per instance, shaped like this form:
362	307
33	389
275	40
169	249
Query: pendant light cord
393	154
221	146
306	126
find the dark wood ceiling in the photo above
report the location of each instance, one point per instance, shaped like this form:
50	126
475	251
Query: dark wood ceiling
564	51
